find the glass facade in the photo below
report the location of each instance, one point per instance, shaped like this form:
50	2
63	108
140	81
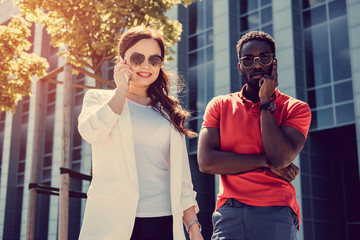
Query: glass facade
75	159
15	187
47	140
329	160
247	15
330	185
327	60
196	65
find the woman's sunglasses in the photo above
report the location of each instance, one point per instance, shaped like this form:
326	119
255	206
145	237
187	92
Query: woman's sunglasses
136	59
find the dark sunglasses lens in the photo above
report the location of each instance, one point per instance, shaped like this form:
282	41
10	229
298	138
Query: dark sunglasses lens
248	62
137	59
155	60
266	59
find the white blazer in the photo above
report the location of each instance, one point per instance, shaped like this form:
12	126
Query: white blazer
114	193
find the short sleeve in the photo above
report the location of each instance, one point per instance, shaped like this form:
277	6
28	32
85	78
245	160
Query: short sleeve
299	117
212	113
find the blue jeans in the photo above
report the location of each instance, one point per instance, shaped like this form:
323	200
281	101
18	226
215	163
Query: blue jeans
238	221
149	228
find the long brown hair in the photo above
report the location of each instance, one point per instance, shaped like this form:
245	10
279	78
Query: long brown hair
158	91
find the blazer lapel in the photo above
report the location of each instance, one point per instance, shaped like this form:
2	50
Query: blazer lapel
176	155
125	129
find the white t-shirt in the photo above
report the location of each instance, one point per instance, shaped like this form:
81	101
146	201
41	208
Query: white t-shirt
151	133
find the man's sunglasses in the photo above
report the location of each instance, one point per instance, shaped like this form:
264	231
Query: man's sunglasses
265	60
136	59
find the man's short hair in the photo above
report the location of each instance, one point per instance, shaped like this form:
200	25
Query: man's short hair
255	35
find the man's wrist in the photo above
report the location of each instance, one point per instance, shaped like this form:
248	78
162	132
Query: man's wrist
264	100
269	105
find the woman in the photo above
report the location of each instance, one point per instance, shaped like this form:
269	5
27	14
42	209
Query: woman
141	186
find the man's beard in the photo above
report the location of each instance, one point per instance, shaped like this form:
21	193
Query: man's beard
255	83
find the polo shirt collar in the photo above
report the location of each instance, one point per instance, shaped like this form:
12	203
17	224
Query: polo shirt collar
275	95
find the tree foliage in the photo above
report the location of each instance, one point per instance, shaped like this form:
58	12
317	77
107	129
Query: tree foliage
86	31
17	66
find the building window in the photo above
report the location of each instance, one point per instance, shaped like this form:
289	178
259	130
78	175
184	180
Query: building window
76	158
196	63
200	63
255	15
327	63
246	16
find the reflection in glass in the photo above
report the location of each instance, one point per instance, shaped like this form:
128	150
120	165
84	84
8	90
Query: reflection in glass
209	81
196	88
209	13
47	161
51	97
343	92
314	16
248	5
337	8
50	109
210	53
264	2
249	22
209	37
192	18
201	89
49	132
268	29
317	56
196	58
197	41
309	3
345	113
266	15
46	175
340	49
192	85
76	154
319	97
322	118
200	13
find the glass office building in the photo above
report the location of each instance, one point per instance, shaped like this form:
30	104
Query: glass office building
318	62
318	52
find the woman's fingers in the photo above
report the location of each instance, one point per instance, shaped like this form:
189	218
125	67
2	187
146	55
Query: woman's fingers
122	73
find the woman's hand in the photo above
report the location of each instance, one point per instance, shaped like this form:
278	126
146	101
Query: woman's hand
122	73
194	229
195	235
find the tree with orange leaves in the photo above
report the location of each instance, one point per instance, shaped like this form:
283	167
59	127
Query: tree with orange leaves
17	66
86	31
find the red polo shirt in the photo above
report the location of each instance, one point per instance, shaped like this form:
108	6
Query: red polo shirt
239	122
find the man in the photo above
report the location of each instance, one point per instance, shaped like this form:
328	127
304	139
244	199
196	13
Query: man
250	138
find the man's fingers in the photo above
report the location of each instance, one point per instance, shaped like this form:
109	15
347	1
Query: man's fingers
261	82
291	173
295	169
288	178
274	70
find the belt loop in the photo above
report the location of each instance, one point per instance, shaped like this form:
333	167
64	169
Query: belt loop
232	203
229	202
